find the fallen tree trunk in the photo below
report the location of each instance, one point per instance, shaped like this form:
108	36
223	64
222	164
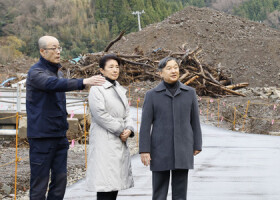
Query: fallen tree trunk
228	90
237	86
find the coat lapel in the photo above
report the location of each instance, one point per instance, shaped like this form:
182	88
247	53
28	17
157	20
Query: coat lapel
162	87
181	87
119	90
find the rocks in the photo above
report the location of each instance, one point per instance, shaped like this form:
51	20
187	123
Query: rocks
263	92
5	189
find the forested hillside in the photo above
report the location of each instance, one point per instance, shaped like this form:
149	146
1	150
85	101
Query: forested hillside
81	25
257	10
266	11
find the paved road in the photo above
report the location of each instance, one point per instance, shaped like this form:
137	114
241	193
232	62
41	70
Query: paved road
232	166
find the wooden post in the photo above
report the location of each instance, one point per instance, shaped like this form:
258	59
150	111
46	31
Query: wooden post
245	116
129	92
137	122
16	159
129	98
85	134
234	118
208	105
218	112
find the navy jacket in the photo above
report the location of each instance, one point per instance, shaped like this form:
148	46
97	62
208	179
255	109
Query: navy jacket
45	100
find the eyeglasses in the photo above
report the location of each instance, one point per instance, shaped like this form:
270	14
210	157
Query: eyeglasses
54	49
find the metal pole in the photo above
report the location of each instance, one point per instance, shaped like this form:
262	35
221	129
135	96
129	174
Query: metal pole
138	13
139	22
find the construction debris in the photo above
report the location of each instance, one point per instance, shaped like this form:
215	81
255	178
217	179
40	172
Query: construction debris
208	80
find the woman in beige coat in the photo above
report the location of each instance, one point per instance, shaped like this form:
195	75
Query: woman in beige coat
109	166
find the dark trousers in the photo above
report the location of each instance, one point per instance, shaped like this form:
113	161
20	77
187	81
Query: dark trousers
107	195
48	155
179	184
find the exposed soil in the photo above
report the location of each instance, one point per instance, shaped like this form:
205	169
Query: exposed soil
249	50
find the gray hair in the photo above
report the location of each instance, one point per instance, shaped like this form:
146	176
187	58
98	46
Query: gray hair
43	41
163	62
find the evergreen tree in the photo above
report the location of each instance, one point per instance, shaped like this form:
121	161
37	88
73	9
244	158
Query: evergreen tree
257	9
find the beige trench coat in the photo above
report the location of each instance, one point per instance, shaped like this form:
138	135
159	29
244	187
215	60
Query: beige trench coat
109	164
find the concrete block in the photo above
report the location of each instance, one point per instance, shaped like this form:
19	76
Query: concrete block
5	114
22	128
74	130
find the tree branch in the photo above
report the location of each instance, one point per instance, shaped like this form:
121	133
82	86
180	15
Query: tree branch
114	41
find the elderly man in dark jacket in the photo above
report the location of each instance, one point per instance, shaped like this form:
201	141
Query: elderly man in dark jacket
47	120
170	133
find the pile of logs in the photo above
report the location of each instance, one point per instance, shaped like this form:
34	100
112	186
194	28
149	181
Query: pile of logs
208	80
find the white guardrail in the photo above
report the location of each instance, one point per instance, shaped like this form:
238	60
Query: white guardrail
13	99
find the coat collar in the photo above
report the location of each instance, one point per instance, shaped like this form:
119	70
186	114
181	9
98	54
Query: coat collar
162	87
108	84
119	89
51	66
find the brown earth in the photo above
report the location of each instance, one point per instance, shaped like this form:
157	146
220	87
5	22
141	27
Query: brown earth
250	50
15	67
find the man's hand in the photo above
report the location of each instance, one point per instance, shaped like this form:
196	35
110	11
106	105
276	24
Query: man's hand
125	134
94	80
196	152
146	158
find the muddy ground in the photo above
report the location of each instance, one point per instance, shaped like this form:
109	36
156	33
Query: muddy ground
76	166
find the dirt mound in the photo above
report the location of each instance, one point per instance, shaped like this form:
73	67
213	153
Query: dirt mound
249	50
16	67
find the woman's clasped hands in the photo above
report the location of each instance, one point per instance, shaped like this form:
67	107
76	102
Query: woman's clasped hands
125	134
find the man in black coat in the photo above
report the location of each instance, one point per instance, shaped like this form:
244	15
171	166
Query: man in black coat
47	120
170	132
